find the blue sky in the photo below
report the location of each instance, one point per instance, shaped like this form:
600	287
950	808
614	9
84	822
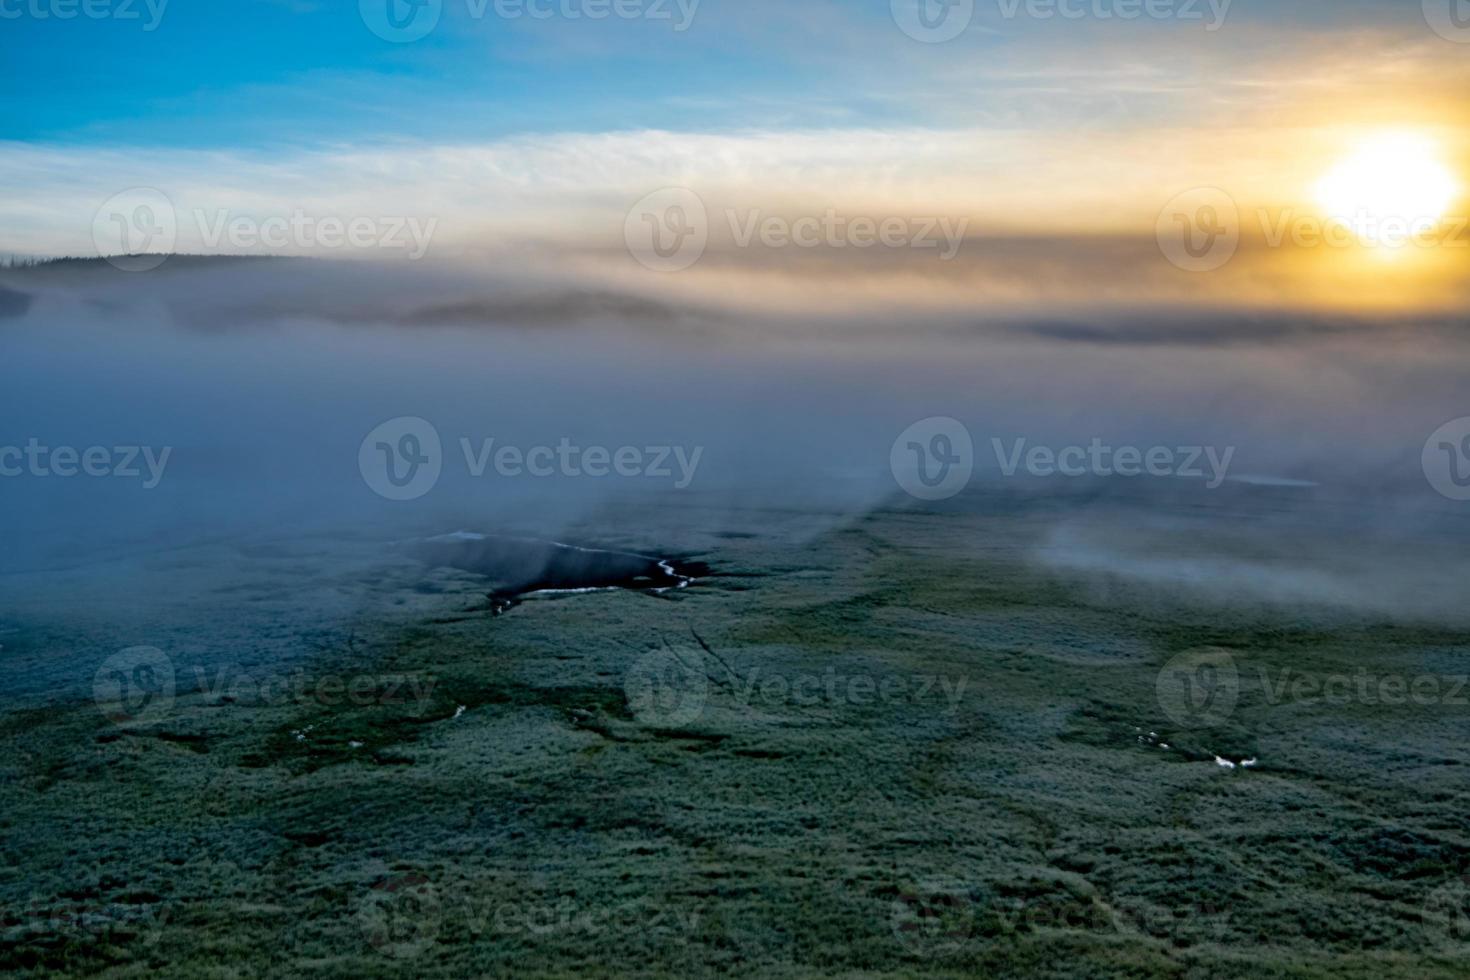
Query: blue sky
508	130
235	73
224	72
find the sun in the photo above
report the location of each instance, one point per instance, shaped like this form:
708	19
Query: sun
1389	180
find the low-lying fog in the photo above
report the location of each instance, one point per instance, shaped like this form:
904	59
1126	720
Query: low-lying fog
237	399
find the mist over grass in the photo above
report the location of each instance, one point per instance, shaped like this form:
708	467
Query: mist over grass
264	377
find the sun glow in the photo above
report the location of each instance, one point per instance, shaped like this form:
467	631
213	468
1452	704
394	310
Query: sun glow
1388	188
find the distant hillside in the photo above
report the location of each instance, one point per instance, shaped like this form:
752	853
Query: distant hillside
17	268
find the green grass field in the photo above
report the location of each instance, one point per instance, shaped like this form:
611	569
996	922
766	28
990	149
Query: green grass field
894	748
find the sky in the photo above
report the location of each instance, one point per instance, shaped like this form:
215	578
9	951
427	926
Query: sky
511	122
237	73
